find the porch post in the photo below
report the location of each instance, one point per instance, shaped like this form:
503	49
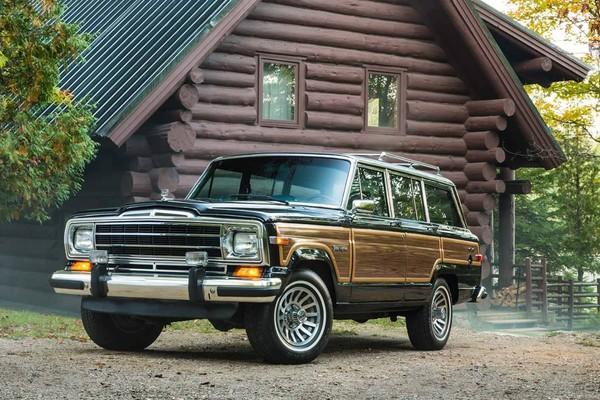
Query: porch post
506	225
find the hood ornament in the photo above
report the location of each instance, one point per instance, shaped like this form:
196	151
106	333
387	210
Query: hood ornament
165	195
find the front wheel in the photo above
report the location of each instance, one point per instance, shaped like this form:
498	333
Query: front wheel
119	332
295	328
429	327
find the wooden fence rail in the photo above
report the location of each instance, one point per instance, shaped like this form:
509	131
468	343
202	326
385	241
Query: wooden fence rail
559	300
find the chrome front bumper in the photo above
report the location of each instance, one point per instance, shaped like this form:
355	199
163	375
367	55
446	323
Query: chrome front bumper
169	287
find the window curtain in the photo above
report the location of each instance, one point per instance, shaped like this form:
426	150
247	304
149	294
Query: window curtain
279	92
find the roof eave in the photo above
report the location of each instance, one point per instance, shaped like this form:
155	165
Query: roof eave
572	67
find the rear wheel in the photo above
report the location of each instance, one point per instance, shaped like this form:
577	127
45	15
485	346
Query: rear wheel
429	327
294	328
119	332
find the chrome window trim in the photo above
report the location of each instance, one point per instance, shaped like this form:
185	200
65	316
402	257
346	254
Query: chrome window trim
262	259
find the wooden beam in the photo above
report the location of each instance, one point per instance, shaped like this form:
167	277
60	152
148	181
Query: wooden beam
518	187
482	108
226	95
313	85
249	46
292	15
506	240
332	138
228	78
487	123
341	39
230	62
533	66
335	103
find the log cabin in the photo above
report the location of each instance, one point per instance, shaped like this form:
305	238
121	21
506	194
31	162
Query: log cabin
176	83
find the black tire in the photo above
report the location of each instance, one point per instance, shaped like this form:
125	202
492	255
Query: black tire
424	325
279	336
119	332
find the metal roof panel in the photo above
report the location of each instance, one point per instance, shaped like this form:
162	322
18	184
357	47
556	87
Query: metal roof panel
136	43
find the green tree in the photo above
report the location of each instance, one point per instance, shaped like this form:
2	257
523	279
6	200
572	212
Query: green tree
44	133
561	219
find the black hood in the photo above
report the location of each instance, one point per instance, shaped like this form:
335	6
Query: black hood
262	211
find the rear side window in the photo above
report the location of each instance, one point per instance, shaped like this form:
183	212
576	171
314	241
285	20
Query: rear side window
441	206
406	197
369	184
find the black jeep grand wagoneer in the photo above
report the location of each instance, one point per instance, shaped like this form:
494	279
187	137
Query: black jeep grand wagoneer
280	245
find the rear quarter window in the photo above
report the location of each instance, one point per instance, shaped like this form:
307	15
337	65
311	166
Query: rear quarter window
441	206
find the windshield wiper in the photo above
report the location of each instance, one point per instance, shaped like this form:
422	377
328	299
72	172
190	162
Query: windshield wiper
259	197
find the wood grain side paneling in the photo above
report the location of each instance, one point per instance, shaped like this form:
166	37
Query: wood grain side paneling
379	256
318	237
457	251
423	253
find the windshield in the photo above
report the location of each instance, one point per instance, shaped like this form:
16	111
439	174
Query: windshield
313	180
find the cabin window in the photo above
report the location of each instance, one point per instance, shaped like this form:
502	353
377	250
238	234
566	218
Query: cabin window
278	91
385	108
441	206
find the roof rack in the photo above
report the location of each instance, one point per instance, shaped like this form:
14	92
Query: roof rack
404	161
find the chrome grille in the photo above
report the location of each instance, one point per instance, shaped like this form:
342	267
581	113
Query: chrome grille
170	240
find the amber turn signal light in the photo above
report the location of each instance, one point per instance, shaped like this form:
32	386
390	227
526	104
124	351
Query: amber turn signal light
81	266
248	272
279	240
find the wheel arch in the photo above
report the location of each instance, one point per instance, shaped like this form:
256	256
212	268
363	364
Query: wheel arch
449	275
318	261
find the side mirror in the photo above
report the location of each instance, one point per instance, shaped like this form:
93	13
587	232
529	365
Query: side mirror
364	206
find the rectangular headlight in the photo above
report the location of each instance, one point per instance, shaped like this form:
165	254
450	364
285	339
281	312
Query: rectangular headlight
83	238
241	242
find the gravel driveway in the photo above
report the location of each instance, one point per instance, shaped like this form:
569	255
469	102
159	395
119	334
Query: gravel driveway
373	363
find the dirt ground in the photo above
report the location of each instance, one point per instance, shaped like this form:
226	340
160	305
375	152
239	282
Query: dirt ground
369	363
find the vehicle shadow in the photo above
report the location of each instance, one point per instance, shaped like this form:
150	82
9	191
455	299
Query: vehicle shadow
242	352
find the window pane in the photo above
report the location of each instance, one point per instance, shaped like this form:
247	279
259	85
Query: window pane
442	209
406	195
279	92
383	101
373	188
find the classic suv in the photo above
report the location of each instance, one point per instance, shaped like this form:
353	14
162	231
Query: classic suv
278	244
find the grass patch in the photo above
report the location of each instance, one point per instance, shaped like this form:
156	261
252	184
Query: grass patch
592	340
28	324
199	326
22	324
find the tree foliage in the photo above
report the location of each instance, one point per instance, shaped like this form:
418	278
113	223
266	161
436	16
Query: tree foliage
561	219
44	133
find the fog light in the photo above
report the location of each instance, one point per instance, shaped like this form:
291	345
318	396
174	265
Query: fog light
81	266
196	258
99	256
248	272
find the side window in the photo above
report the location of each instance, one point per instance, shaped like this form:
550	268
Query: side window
406	197
370	184
441	206
278	103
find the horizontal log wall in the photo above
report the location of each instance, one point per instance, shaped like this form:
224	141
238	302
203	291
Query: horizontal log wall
445	126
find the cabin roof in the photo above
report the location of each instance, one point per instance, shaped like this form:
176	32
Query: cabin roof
144	49
136	44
